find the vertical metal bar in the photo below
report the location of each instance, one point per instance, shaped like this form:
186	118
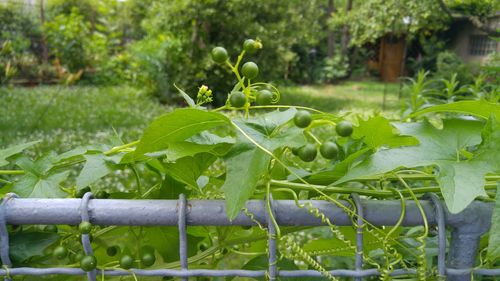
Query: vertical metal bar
359	234
467	228
273	270
182	234
439	213
4	237
87	247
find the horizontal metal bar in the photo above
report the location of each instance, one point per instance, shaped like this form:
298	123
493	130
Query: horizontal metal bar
230	272
21	211
200	272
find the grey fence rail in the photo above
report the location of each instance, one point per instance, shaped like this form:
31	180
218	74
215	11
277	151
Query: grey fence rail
456	262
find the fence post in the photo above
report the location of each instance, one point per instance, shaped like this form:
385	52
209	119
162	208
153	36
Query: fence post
467	228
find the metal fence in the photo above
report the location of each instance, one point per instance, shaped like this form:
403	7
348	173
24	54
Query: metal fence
466	229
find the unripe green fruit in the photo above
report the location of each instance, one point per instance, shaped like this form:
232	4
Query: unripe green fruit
329	150
308	152
148	259
85	227
88	263
237	99
249	46
264	97
219	55
126	262
344	128
60	252
250	70
302	118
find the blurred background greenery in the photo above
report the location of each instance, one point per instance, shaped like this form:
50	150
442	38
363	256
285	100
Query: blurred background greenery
105	68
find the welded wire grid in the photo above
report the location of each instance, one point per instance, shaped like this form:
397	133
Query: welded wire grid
271	274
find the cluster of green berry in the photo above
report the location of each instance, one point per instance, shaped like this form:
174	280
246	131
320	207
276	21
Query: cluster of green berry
328	149
244	94
89	262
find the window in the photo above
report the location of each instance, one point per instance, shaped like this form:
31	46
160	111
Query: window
481	45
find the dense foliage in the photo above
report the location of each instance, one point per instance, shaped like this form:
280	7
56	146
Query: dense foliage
155	44
444	145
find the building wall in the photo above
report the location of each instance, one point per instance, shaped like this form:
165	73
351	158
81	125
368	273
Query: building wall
469	42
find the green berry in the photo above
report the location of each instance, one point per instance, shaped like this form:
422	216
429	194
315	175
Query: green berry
219	55
329	150
78	256
295	151
85	227
249	46
126	262
264	97
148	259
302	118
112	251
250	70
237	99
344	128
60	252
88	263
308	152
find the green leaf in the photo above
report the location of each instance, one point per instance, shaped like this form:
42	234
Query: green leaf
494	240
338	248
177	126
188	169
166	241
269	131
461	181
203	142
13	150
95	168
339	169
479	108
262	263
186	97
377	131
36	186
25	245
245	165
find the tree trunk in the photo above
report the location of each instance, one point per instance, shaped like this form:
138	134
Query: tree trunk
331	43
43	43
345	30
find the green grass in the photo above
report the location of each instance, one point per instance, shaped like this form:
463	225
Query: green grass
65	117
348	96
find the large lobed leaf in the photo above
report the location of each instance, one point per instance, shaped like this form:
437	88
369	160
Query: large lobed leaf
494	240
461	180
38	181
377	131
479	108
13	150
177	126
246	163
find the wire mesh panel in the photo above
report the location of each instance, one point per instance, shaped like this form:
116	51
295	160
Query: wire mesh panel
466	228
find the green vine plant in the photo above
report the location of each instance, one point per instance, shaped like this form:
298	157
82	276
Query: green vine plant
254	148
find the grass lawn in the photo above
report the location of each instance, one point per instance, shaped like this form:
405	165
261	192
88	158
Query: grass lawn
65	117
347	96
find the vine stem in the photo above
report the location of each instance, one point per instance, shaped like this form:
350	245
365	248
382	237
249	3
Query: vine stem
336	202
286	106
11	172
360	191
408	177
121	147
